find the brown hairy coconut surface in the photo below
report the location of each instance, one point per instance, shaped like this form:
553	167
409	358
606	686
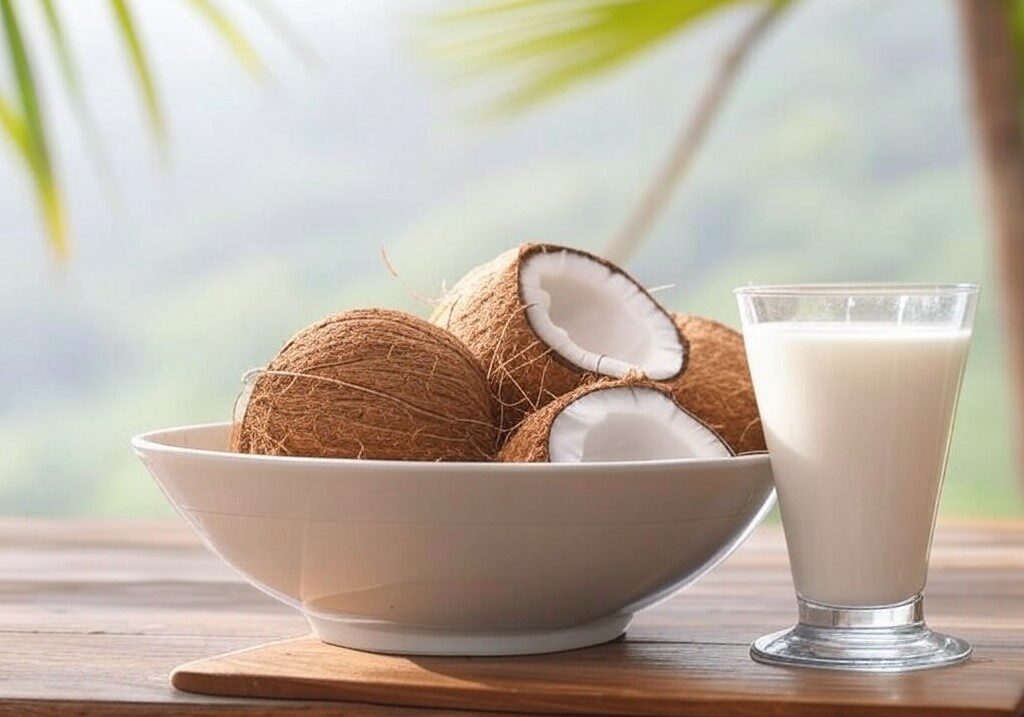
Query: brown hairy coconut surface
716	385
532	440
371	383
485	309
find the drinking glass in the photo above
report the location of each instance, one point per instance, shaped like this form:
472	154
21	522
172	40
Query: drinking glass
857	387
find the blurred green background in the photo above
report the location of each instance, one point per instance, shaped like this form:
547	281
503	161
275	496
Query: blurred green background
845	153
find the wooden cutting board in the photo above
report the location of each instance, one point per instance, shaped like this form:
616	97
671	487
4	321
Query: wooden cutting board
687	656
620	678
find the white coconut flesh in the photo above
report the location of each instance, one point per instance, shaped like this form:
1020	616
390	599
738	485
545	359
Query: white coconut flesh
597	318
629	424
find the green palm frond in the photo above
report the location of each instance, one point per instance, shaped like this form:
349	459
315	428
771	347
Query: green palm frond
1017	18
21	116
215	17
13	126
538	49
285	30
73	86
60	43
25	128
140	65
235	40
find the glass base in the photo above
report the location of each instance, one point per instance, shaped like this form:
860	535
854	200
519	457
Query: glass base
884	639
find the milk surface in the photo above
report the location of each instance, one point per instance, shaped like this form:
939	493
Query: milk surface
857	418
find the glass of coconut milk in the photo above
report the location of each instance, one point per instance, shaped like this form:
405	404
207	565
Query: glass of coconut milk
857	386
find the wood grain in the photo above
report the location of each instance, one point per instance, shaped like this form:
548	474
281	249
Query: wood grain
94	616
626	677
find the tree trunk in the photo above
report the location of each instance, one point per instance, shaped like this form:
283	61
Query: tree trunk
996	80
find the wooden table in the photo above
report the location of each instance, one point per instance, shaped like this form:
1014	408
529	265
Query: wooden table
95	615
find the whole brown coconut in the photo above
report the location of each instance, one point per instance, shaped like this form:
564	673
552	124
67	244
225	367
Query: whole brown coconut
541	318
624	419
716	385
371	383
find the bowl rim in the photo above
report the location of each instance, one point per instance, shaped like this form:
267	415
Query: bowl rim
147	443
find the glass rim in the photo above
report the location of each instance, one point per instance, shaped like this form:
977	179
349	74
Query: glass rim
857	289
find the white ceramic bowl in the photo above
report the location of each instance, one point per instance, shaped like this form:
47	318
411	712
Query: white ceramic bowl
459	558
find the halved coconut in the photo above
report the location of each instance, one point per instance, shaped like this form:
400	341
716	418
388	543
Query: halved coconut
371	383
542	317
612	420
716	385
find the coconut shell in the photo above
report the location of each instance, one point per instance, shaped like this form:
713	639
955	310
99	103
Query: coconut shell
715	386
485	309
529	443
371	383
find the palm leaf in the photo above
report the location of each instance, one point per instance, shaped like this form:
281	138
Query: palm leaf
285	30
235	40
21	121
25	127
60	43
14	126
1017	19
143	75
69	73
540	48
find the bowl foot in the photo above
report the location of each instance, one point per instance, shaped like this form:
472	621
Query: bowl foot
375	636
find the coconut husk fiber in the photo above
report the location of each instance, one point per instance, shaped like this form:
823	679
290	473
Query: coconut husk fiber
530	442
371	383
485	309
716	386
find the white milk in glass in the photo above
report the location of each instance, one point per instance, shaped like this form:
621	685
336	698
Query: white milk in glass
857	418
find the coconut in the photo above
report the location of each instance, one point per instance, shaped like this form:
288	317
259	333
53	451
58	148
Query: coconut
716	385
371	383
542	317
612	420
